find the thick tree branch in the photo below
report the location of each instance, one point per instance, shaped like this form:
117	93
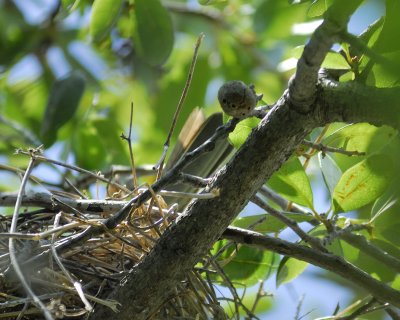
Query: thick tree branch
354	102
302	87
328	261
269	145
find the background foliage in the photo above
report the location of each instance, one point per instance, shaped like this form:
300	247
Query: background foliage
69	71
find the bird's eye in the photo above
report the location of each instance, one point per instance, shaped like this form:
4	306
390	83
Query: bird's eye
233	105
224	100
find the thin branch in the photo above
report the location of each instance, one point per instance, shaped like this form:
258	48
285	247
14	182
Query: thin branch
129	140
325	149
359	45
13	254
27	135
194	180
372	250
76	284
314	242
72	167
160	162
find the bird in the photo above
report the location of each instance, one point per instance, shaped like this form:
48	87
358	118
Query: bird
238	99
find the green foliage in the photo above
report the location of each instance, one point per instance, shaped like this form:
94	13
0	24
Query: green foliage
155	37
245	265
292	181
62	104
289	269
104	15
72	93
362	183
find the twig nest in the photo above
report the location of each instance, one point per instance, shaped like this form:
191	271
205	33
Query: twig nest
237	99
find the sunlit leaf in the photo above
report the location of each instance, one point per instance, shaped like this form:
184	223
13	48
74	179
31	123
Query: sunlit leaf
210	2
289	269
291	181
318	8
88	148
361	137
62	104
104	15
384	203
155	37
390	29
386	76
362	183
242	131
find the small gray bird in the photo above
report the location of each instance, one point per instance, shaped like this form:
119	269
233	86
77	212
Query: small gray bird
237	99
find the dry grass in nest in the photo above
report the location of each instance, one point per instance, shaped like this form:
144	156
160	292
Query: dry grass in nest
71	283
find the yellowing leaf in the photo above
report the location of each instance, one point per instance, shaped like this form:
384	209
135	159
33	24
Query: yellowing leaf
362	183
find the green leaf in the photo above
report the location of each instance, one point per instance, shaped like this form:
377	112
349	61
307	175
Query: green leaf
386	226
384	202
361	137
289	269
245	264
210	2
318	8
242	131
386	75
269	223
330	171
62	104
274	19
104	15
155	36
88	148
291	181
362	183
391	26
333	60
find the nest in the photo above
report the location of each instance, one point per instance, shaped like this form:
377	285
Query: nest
70	277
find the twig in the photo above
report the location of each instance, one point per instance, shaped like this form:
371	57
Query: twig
129	140
160	162
314	242
19	171
281	201
76	284
338	232
372	250
72	167
362	47
260	294
232	289
27	135
85	206
193	180
324	149
393	313
12	249
177	194
298	308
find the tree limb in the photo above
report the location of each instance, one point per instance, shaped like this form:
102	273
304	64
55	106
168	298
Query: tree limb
328	261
